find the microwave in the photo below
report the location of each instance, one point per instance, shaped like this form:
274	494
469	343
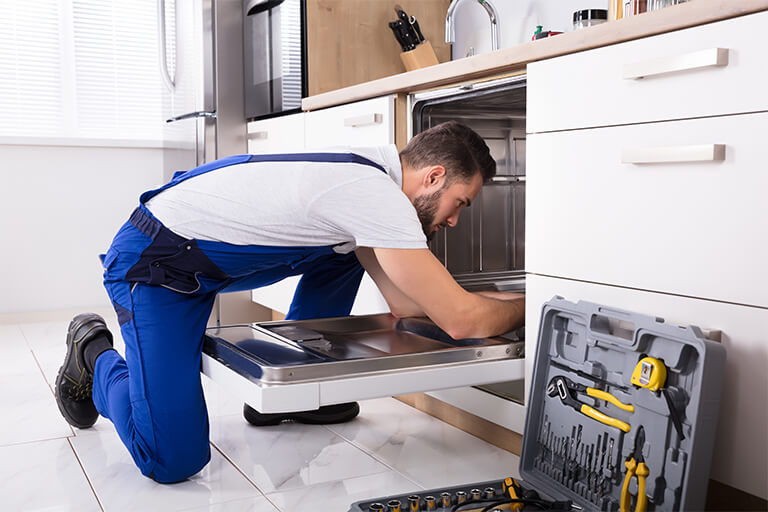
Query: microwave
274	52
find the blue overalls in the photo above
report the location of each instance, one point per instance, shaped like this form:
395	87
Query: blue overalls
163	287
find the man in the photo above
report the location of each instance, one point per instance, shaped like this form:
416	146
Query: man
249	221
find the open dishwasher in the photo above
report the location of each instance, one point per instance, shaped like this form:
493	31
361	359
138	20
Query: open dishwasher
300	365
486	249
289	366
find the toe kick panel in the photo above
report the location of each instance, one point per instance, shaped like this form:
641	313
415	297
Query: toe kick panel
302	365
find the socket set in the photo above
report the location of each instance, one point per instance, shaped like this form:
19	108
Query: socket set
466	498
620	418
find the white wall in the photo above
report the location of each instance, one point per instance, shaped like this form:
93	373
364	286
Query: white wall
59	208
517	21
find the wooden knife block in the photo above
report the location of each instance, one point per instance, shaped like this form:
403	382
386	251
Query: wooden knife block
420	57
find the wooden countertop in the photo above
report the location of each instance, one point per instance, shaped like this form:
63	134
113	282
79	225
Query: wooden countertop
692	13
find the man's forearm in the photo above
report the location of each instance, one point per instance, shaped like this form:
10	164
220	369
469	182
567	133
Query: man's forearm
500	295
491	317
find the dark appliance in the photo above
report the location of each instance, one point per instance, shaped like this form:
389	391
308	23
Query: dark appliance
274	54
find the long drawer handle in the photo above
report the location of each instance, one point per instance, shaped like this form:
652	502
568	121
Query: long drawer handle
712	57
671	154
263	135
364	120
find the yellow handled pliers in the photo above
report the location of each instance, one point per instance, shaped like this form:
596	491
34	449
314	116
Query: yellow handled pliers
636	467
565	389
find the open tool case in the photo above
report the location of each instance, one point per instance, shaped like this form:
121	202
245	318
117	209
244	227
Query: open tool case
613	392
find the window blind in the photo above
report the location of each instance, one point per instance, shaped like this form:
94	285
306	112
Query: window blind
31	93
80	69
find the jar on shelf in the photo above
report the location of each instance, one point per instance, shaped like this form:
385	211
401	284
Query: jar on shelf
588	17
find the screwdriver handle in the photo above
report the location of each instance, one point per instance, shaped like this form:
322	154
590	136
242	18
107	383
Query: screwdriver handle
604	395
602	418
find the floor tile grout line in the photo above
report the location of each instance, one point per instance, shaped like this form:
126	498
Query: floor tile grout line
42	372
85	473
237	468
33	441
374	456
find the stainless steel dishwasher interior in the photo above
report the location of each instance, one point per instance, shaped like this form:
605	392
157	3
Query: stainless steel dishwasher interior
312	350
486	249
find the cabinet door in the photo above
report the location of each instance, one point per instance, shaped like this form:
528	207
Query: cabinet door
365	123
693	228
276	135
741	441
278	296
589	89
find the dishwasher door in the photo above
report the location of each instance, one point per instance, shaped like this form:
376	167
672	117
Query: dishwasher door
302	365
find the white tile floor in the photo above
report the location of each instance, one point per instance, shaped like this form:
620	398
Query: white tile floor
47	465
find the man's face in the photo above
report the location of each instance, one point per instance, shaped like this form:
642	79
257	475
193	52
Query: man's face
440	208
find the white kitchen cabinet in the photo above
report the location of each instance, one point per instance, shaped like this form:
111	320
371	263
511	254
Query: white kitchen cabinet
278	296
590	89
364	123
276	135
646	194
693	228
742	442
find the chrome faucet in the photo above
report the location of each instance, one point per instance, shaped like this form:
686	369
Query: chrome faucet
450	31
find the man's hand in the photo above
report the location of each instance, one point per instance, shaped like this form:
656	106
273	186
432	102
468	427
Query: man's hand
416	281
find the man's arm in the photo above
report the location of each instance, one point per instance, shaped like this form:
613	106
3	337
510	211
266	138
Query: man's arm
501	295
418	276
399	304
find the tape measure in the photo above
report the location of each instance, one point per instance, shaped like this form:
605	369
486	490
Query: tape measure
649	373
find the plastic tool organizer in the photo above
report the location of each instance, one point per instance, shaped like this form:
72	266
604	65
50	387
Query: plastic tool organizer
621	417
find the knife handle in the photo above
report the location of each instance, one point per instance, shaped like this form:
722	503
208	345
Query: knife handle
415	24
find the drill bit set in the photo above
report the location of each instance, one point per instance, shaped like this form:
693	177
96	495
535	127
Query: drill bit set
585	467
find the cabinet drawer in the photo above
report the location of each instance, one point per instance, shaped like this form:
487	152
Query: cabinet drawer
588	89
741	442
690	228
365	123
276	135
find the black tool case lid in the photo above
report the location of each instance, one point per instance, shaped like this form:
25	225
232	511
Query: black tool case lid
568	455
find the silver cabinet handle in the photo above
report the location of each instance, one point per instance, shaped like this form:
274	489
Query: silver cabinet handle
364	120
263	135
671	154
712	57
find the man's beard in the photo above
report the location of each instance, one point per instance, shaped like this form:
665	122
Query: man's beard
426	208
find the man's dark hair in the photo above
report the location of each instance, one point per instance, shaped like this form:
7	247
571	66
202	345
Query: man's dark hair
453	145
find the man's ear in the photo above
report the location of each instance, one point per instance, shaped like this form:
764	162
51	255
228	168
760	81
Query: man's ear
435	176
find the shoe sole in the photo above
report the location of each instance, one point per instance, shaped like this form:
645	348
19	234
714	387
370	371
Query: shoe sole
328	417
60	375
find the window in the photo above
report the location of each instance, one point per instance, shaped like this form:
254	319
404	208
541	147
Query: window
82	69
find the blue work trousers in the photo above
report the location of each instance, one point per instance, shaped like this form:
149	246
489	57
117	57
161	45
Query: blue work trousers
163	287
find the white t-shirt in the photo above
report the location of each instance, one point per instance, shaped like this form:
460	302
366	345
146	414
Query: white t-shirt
302	203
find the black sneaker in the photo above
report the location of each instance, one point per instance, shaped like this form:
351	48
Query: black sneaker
74	383
325	415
